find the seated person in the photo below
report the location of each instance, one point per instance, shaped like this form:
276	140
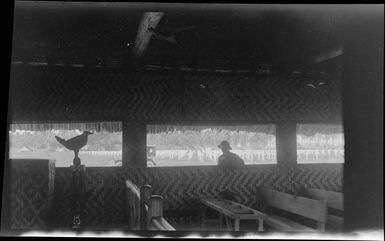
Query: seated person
228	159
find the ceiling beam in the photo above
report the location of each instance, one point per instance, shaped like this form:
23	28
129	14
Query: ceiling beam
143	36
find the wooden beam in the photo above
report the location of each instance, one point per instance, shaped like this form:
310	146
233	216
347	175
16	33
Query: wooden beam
143	36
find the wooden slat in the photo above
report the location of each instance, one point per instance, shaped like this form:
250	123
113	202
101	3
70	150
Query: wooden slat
313	209
133	205
333	199
233	209
215	205
284	224
133	188
161	224
335	219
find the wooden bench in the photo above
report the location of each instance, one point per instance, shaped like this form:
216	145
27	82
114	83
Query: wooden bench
334	200
229	209
145	211
310	208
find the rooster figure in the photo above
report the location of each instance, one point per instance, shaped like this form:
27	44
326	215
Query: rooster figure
75	143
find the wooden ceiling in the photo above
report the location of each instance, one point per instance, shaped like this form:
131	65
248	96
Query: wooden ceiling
227	37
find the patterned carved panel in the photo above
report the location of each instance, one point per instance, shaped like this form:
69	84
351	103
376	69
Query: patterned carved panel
77	95
101	95
257	98
32	186
323	176
105	198
181	187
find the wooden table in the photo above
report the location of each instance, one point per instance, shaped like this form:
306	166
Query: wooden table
233	210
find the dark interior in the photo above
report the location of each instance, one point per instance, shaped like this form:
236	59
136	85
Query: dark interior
243	64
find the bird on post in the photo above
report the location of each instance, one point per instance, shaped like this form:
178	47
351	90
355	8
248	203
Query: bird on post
75	143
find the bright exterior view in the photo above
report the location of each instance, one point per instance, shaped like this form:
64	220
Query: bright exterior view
198	145
103	148
320	143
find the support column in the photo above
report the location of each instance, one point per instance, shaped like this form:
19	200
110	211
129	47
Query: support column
286	142
134	150
363	109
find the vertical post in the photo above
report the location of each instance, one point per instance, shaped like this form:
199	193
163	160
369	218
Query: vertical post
6	200
145	194
220	221
260	225
78	190
236	224
363	106
155	208
203	214
134	150
286	135
321	226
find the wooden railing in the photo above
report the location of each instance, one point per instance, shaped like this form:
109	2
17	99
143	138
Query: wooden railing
155	215
145	211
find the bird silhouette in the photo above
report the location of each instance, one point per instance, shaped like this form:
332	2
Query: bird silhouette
75	143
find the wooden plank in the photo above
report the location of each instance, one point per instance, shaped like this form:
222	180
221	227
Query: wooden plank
133	188
143	36
216	205
313	209
145	194
235	211
236	224
256	212
284	224
133	205
335	219
159	223
333	199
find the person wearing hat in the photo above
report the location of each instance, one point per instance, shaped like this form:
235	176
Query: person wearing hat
228	159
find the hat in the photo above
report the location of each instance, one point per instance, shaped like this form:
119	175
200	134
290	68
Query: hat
225	145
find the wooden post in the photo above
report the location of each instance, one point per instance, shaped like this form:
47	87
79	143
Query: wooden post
203	213
260	224
363	114
236	224
145	194
134	150
78	189
6	200
286	143
220	221
155	208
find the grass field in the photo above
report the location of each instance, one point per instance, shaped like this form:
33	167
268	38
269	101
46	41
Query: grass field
181	157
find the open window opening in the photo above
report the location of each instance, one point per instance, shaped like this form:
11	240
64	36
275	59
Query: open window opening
193	145
320	143
37	141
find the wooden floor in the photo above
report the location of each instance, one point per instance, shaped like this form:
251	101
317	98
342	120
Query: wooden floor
246	225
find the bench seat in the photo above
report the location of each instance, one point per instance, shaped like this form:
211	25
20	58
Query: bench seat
335	219
285	224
